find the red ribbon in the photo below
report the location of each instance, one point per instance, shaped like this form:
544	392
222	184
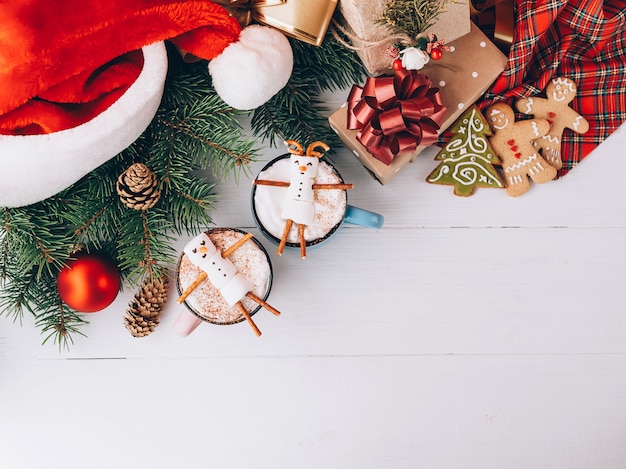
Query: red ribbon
395	114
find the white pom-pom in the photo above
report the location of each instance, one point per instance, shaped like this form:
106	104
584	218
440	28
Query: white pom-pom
253	69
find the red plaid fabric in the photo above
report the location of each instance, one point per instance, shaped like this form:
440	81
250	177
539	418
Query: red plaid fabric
583	40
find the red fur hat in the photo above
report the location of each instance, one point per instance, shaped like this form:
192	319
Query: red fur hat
80	80
78	51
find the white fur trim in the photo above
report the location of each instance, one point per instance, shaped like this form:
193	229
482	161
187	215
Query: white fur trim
35	167
253	69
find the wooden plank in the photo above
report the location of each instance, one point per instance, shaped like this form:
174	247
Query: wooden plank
488	412
406	291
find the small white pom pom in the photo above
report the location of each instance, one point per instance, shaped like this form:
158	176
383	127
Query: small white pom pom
253	69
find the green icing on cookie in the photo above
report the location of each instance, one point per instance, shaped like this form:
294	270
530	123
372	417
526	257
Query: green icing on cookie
467	159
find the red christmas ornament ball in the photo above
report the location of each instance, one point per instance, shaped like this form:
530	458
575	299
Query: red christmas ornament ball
436	54
88	283
397	64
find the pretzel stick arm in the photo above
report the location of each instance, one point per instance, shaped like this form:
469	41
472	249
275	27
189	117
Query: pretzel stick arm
283	239
265	182
302	241
246	315
261	302
240	242
199	279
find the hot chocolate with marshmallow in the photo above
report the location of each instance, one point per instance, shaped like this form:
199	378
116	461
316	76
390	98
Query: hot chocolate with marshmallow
228	280
298	199
329	205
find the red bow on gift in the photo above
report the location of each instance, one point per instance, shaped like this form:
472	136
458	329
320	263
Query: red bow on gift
395	114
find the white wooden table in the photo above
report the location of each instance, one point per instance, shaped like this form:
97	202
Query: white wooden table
482	332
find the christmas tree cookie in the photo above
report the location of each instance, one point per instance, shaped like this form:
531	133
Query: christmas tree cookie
467	160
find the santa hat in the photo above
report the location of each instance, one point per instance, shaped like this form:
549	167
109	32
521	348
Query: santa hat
73	52
82	79
34	167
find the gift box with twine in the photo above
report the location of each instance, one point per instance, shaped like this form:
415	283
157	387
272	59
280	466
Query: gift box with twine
370	37
462	76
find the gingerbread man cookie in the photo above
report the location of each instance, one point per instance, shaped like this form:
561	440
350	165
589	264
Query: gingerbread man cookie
555	108
513	142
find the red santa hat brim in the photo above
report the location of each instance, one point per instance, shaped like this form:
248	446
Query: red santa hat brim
35	167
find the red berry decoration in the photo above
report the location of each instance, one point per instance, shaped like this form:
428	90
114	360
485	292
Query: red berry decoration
88	283
397	64
436	53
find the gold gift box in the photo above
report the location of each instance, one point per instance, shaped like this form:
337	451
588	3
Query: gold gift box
462	76
305	20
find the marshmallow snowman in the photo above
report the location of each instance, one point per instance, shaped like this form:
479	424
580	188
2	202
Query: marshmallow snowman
223	275
221	272
298	204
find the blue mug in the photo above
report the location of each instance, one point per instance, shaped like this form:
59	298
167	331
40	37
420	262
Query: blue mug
331	205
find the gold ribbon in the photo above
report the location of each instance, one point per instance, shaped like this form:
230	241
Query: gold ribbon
243	10
504	24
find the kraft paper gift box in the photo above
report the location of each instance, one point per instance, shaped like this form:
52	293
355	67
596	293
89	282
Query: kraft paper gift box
361	19
462	76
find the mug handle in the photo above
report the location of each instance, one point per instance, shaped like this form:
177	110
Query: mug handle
186	323
362	217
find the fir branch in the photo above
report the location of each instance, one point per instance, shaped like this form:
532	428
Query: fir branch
57	321
36	237
18	296
296	112
332	66
4	246
208	135
412	17
148	261
38	295
192	202
92	222
186	82
200	127
84	227
143	243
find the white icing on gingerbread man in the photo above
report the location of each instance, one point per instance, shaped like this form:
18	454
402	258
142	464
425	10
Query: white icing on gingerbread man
512	141
298	203
555	108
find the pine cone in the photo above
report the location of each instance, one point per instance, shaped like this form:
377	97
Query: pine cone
138	187
144	311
